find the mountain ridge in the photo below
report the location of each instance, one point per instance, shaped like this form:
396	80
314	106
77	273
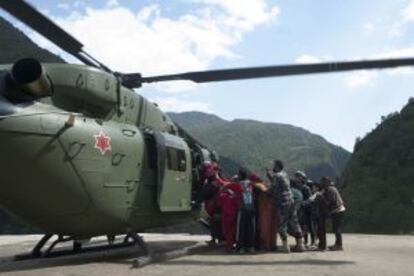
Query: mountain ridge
219	119
16	45
215	132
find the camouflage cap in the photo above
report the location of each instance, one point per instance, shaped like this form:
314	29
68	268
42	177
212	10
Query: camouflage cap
300	173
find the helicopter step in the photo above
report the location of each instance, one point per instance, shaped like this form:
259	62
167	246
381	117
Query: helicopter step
39	251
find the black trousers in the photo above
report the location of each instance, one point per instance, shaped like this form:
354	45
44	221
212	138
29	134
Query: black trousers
321	231
246	229
307	225
336	227
215	228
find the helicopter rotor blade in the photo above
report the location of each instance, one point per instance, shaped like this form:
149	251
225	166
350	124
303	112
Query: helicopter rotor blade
277	71
46	27
40	23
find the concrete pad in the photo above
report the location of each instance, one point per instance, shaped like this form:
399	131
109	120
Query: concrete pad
363	255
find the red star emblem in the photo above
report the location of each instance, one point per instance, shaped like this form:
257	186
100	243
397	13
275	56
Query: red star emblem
102	142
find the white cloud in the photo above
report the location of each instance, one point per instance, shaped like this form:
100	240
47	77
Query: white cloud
308	59
177	87
63	6
368	28
146	12
399	26
149	42
79	4
181	105
246	14
396	29
408	12
396	53
112	3
361	78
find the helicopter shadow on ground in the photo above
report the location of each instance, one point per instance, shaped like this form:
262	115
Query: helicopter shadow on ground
125	254
316	262
306	260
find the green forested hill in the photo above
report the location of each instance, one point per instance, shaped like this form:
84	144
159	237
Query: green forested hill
15	45
378	183
254	144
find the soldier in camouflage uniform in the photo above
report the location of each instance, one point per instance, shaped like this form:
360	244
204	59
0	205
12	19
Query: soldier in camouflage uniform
287	215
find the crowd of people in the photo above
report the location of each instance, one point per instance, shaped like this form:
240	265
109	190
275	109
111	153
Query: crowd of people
247	212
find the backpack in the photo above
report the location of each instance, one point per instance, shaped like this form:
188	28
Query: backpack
247	195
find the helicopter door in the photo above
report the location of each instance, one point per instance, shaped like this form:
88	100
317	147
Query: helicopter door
174	173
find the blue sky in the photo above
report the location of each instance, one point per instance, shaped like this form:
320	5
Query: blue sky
155	37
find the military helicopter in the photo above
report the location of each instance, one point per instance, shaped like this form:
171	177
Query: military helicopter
84	155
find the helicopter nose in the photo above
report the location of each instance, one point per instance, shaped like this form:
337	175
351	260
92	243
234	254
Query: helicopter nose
36	180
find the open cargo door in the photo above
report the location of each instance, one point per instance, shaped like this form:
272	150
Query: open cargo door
173	173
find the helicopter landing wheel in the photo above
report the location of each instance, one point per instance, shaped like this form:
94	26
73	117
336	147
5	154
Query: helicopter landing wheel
138	240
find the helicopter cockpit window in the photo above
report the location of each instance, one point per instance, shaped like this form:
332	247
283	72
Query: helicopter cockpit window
176	159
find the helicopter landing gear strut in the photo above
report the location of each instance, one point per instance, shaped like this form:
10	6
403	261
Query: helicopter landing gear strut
45	246
138	240
37	251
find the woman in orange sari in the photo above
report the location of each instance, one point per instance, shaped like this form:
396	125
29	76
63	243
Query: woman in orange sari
266	215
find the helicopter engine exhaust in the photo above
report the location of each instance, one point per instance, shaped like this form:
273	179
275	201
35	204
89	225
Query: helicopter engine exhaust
30	76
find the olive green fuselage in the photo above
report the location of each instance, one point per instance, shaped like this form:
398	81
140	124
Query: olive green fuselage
86	161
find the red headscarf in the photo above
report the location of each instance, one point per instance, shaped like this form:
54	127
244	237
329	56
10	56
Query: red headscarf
254	177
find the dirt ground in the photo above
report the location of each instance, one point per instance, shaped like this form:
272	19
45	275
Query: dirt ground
363	255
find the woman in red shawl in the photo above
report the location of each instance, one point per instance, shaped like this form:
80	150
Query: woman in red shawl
212	186
229	200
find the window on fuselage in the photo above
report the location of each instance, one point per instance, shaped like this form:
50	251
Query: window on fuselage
176	159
